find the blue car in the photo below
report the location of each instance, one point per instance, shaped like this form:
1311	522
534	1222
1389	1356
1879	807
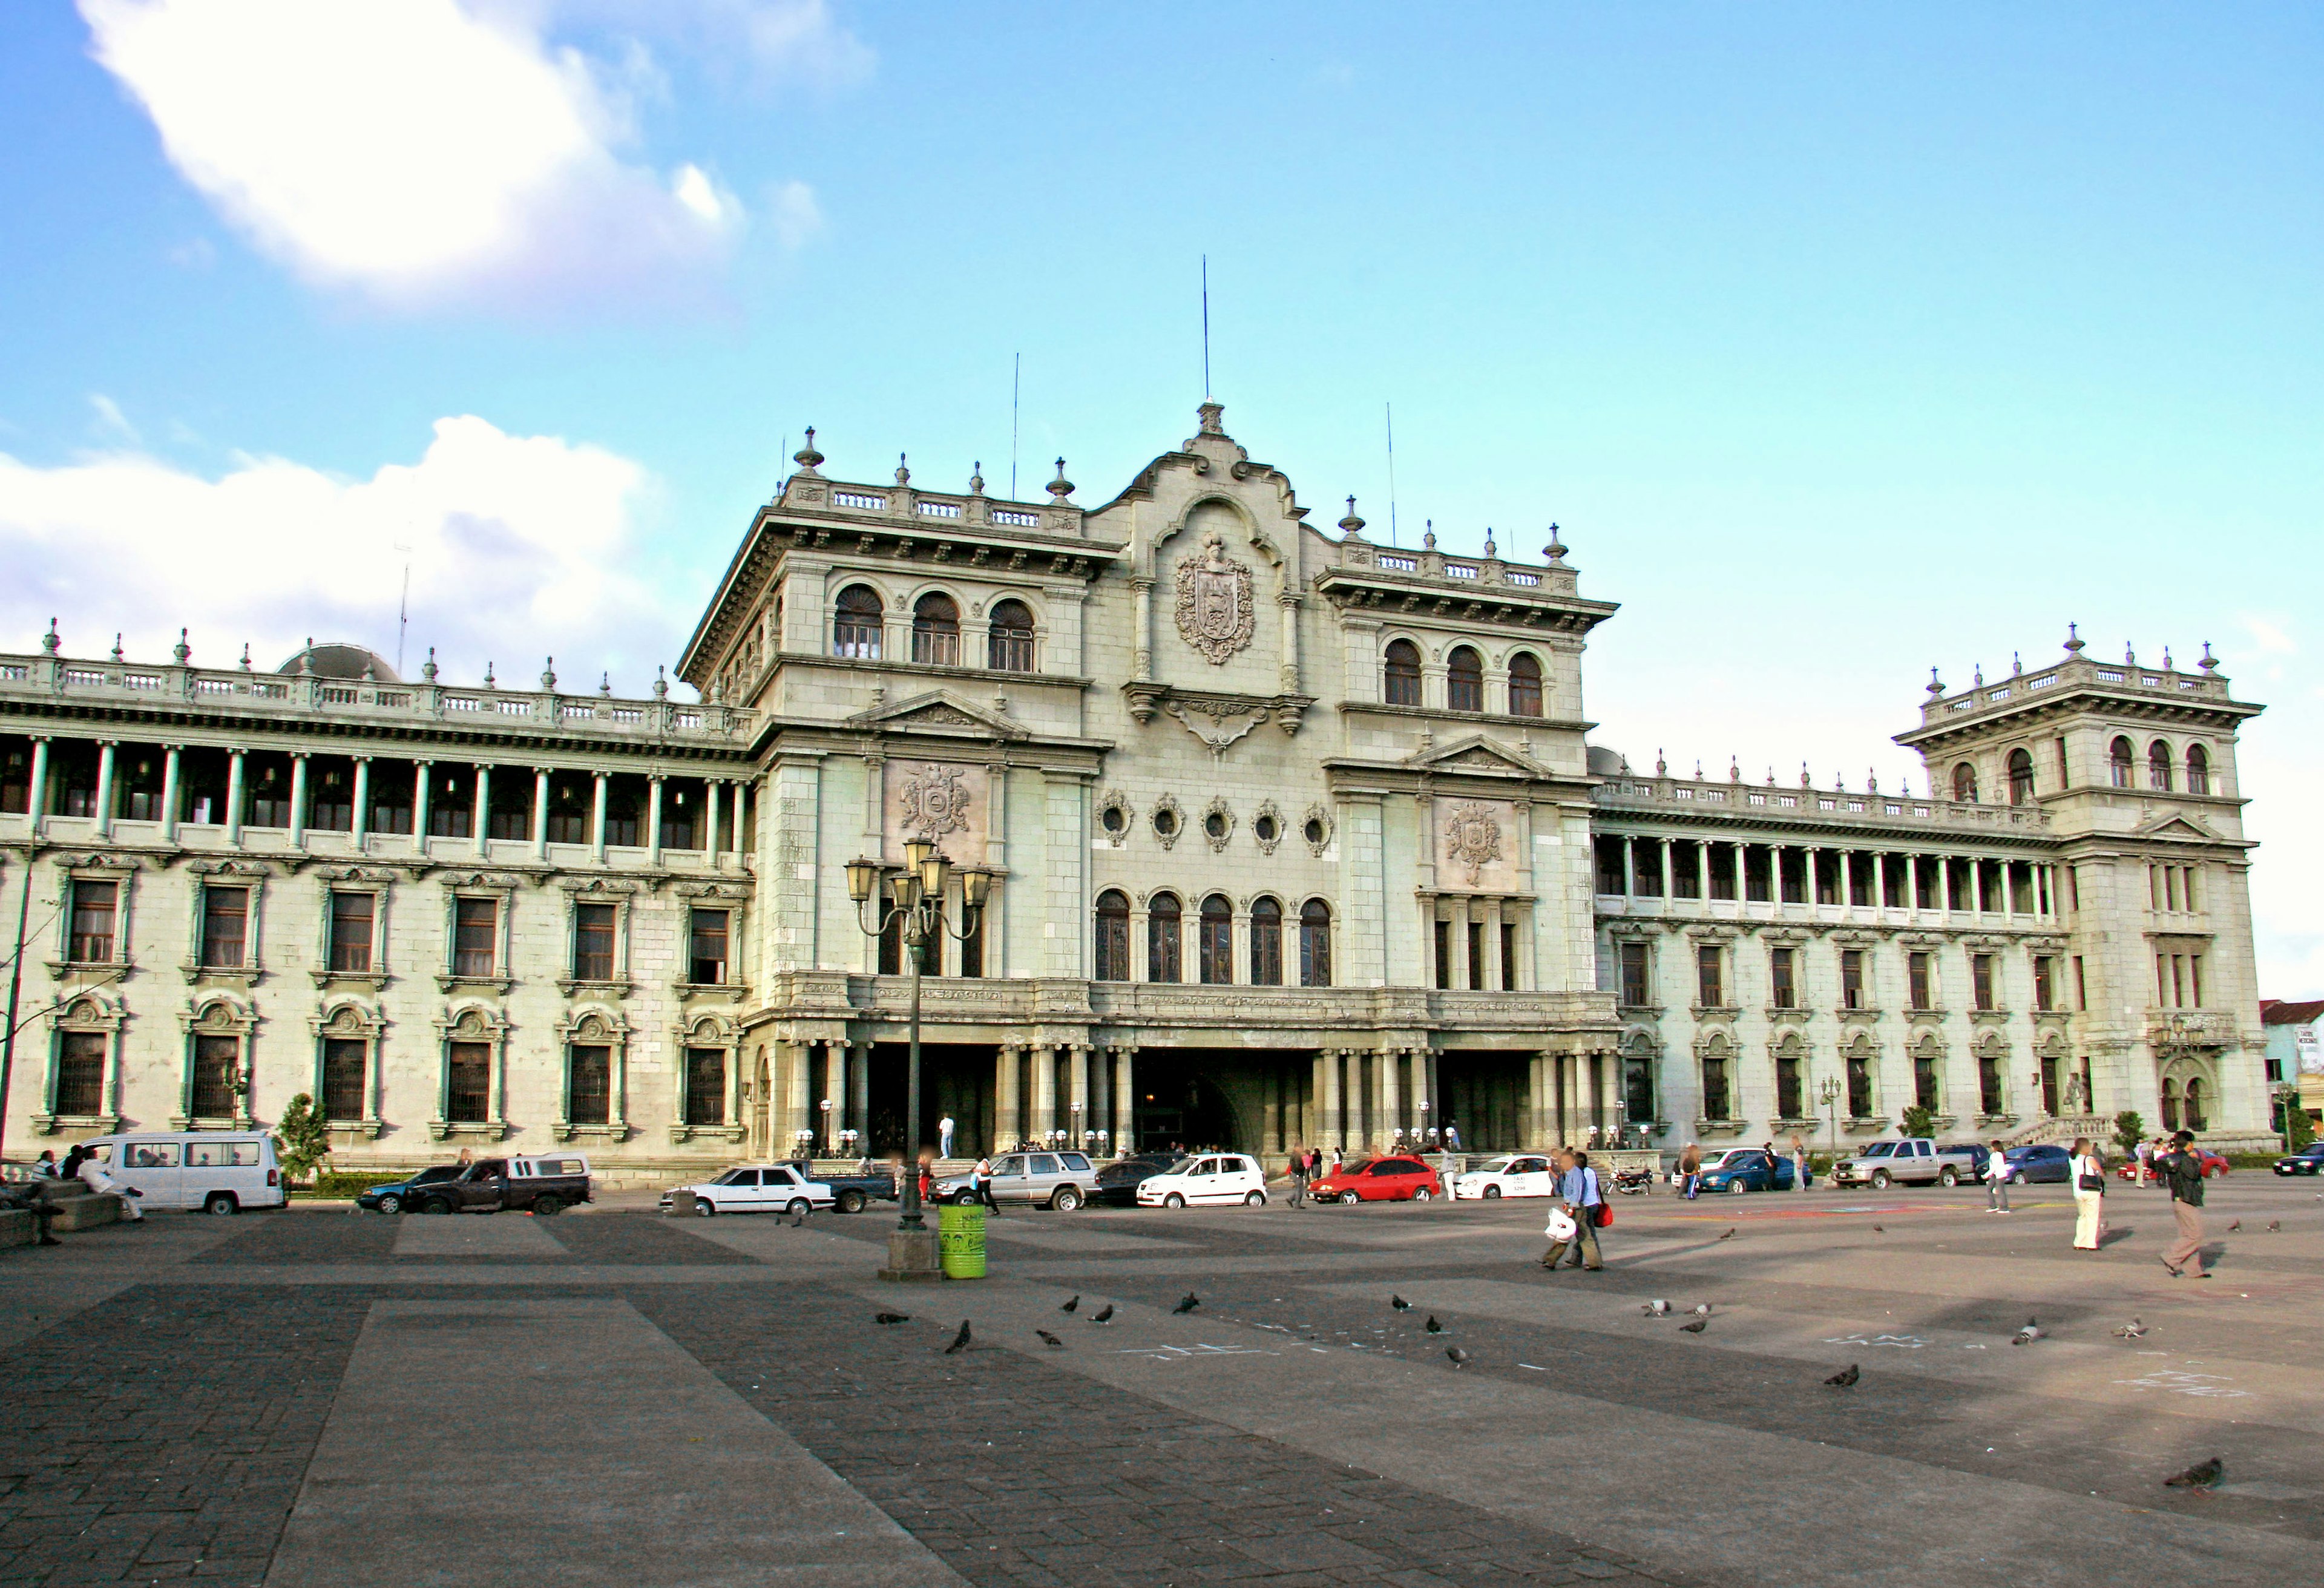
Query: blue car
1748	1170
2030	1164
396	1198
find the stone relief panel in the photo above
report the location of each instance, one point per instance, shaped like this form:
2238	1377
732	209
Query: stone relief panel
1476	845
944	802
1217	614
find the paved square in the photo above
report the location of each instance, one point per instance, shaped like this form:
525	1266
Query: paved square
317	1397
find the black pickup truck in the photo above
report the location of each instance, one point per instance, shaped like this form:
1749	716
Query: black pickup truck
853	1193
546	1185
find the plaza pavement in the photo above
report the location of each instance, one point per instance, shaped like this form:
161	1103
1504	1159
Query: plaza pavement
321	1398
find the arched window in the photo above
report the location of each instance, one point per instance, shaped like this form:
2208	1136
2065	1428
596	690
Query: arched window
1988	1084
1112	937
1964	784
1266	943
2198	770
1525	685
1859	1083
2118	764
2021	777
1789	1100
1315	944
2158	766
1715	1100
1215	941
1402	673
855	630
1925	1078
2171	1105
1012	638
1162	941
1464	682
2194	1110
935	629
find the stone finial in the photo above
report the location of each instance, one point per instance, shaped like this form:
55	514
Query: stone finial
1061	488
1805	781
245	656
604	686
116	647
1935	686
1211	414
1905	790
307	658
806	456
1734	771
489	684
1428	535
976	478
2130	654
1490	549
427	669
548	675
1977	676
1871	781
661	684
2166	660
1351	526
2210	663
1555	551
903	475
2017	664
1698	769
2074	641
1771	774
181	651
371	669
1839	781
1662	767
48	641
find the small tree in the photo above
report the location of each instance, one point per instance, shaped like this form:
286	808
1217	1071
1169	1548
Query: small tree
2129	1131
1919	1122
302	1141
2298	1130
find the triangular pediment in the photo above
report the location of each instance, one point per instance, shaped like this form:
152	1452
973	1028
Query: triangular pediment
2174	824
940	711
1477	754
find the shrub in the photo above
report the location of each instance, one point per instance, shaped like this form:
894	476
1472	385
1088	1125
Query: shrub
302	1141
1919	1122
2129	1131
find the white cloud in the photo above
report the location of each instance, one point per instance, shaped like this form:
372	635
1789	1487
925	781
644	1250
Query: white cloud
414	151
111	422
522	546
795	40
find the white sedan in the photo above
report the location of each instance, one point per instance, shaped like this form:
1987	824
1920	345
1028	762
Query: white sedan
1212	1178
1515	1174
755	1188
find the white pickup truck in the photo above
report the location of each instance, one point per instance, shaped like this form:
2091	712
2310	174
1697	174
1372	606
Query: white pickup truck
1914	1161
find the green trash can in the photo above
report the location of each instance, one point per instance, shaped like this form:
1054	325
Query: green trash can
960	1237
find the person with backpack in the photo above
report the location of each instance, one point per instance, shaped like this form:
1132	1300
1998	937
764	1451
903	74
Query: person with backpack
2182	1169
1583	1201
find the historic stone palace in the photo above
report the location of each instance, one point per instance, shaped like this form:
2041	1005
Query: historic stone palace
1288	839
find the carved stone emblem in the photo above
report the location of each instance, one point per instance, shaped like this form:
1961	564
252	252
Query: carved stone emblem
1215	613
934	803
1472	838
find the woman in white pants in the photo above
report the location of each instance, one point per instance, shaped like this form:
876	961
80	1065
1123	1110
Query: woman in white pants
2089	1170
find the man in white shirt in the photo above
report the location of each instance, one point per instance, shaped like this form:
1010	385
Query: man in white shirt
1997	1179
93	1176
943	1137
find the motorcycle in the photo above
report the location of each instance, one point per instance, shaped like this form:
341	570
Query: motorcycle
1635	1182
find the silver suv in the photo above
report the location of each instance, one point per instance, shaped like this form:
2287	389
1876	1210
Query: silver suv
1913	1161
1062	1181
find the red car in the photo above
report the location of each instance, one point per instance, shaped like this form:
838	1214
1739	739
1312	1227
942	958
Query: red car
1383	1179
2214	1165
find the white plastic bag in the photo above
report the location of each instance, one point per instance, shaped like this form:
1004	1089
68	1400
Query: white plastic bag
1561	1226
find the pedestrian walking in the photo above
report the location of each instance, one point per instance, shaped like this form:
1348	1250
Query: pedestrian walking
1336	1160
1300	1178
2182	1172
1690	1171
1997	1179
2089	1196
1799	1164
1579	1195
943	1137
2144	1153
980	1180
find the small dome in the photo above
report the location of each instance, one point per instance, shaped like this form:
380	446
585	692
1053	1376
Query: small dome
1605	763
340	661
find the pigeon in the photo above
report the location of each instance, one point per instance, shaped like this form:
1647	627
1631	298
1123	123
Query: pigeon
1695	1328
1703	1310
1106	1316
2275	1223
798	1219
1460	1358
1069	1306
890	1318
2203	1474
2234	1227
2028	1335
2130	1331
1400	1303
1432	1326
1187	1303
1881	1228
959	1341
1846	1378
1730	1235
1654	1309
1051	1341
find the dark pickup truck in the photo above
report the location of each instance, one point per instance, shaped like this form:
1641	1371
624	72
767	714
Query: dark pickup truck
549	1184
853	1193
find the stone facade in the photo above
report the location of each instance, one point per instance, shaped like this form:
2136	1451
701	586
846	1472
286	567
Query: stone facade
1292	838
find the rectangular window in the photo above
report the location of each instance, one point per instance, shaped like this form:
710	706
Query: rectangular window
1714	1088
2082	987
1114	947
705	1085
972	940
593	943
1710	978
1925	1080
891	948
1634	974
2045	992
1476	955
1980	979
2178	981
351	931
343	1079
569	826
94	909
1723	871
515	824
707	950
1214	948
1444	954
467	1082
1162	945
217	1065
2171	887
476	937
1508	957
1859	879
589	1095
1782	967
2195	979
1891	882
448	816
225	927
1851	978
2188	888
1917	982
80	1074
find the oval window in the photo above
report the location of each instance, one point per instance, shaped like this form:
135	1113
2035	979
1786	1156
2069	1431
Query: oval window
1313	829
1114	819
1215	825
1265	828
1166	822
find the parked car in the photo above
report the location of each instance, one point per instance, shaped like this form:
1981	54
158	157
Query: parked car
1379	1179
1969	1155
1118	1181
2049	1161
1749	1168
1512	1174
217	1171
2308	1160
853	1193
1912	1161
1062	1181
396	1198
756	1187
544	1185
2214	1165
1207	1177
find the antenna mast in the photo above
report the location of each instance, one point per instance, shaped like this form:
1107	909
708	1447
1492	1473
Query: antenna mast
1016	382
1206	328
1390	407
402	608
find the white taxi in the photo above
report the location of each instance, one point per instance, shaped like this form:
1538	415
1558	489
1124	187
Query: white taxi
1207	1177
1513	1174
755	1188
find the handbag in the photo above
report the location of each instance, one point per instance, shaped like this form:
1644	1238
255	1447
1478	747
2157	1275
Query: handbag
1601	1214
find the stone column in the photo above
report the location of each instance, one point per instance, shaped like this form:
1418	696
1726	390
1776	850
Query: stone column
104	808
1327	1074
360	828
1008	1105
484	818
798	1086
1538	1102
597	822
653	820
169	791
36	798
1702	871
1848	879
1880	879
1461	968
835	1093
1392	1120
234	760
1077	1113
1045	1092
859	1090
1143	637
1270	1112
540	813
1125	1100
1670	873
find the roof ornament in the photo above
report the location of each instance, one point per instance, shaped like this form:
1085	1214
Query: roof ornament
1871	781
1061	488
2210	663
2130	654
307	658
1698	769
1804	781
371	669
548	675
903	475
1771	774
488	677
604	686
1662	767
976	479
1935	686
1977	678
1351	526
2017	664
427	668
1905	790
661	684
245	656
48	641
1491	551
116	648
181	651
1211	414
1555	549
806	456
1428	535
1734	772
1839	781
2166	660
2074	642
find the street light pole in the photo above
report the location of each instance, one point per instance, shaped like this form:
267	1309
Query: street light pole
16	986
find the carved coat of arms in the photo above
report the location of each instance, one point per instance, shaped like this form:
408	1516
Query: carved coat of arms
934	803
1472	838
1216	615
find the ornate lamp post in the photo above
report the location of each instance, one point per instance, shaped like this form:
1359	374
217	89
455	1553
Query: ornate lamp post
1828	1094
914	904
831	1140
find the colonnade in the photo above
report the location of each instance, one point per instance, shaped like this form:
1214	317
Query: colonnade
1874	879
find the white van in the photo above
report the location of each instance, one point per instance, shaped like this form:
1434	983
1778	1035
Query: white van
217	1171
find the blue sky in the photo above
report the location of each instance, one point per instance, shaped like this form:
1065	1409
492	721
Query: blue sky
1842	341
